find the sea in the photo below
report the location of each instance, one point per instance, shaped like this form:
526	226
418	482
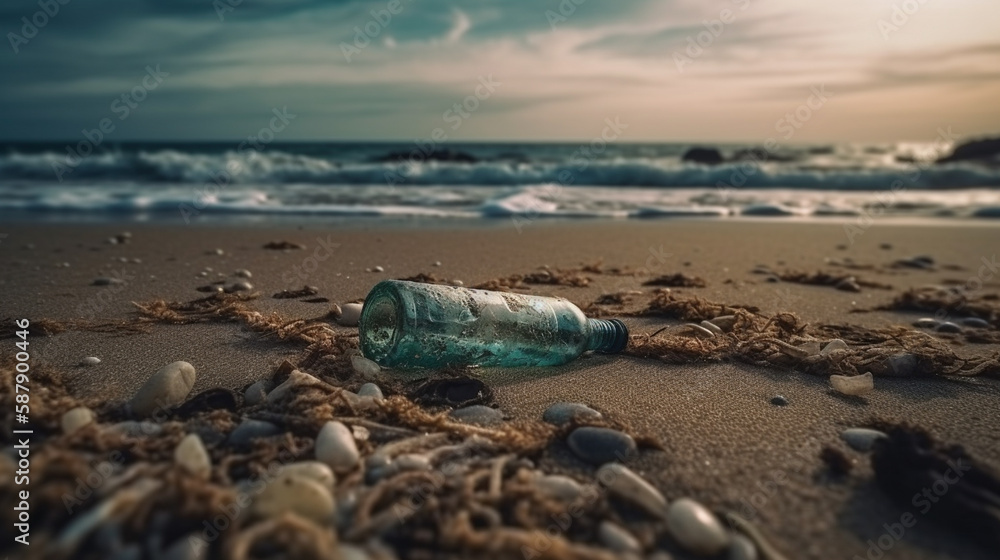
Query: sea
205	181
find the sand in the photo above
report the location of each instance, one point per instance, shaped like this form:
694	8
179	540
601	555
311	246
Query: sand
725	444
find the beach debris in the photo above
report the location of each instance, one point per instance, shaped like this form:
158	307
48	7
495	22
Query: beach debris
364	367
296	380
243	273
313	470
562	413
371	390
957	489
741	548
191	455
455	392
712	327
335	447
256	393
835	345
90	361
241	286
923	262
617	538
212	399
628	486
76	418
559	486
283	246
304	291
677	280
926	323
862	439
855	385
249	430
478	414
948	327
601	445
849	284
167	387
296	493
975	322
349	314
107	281
699	330
696	528
779	400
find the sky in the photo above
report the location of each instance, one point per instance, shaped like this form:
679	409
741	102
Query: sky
668	70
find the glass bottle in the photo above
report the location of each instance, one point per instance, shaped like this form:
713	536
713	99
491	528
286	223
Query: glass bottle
414	325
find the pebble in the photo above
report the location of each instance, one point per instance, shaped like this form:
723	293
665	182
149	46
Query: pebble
90	361
365	367
457	283
296	380
741	548
371	390
335	446
561	413
725	322
166	388
436	263
256	393
218	252
848	285
313	470
133	428
861	439
711	326
190	455
948	328
630	487
975	322
411	462
601	445
695	528
378	269
76	418
106	281
853	385
561	487
349	314
779	400
295	493
241	286
833	346
243	273
617	538
361	433
478	414
250	429
902	365
926	323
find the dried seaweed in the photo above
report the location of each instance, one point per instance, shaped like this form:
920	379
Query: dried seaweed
828	279
678	280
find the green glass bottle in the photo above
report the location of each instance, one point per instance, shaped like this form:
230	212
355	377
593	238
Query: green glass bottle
412	325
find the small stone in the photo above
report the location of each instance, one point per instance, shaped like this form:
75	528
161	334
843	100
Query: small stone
861	439
361	433
335	446
190	455
478	414
76	418
370	390
349	314
133	428
378	269
457	283
203	274
256	393
313	470
948	327
561	413
90	361
695	528
411	462
166	388
885	246
854	385
561	487
834	345
741	548
616	538
243	273
106	281
975	322
218	252
436	263
848	285
241	286
725	322
779	400
250	429
291	492
296	380
711	326
365	367
630	487
926	323
601	445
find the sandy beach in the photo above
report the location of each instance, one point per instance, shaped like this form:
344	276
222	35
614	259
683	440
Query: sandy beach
723	442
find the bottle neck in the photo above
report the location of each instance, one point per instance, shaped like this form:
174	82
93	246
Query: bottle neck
607	336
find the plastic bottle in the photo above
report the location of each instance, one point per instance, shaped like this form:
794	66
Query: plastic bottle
412	325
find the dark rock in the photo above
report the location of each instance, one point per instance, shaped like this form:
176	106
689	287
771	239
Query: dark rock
601	445
779	400
562	413
453	156
950	328
707	156
304	291
975	322
478	414
251	429
761	155
206	401
984	149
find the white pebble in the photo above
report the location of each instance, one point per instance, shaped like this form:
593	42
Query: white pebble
297	379
862	439
167	387
365	367
371	390
834	346
335	446
741	548
558	486
90	361
301	495
437	263
854	385
243	273
378	269
695	528
349	315
457	283
192	456
76	418
313	470
617	538
629	486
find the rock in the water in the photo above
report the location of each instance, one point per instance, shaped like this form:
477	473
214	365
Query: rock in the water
250	429
478	414
192	456
256	393
349	314
854	385
561	413
601	445
982	149
779	400
335	447
166	388
861	439
370	390
90	361
76	418
313	470
741	548
296	380
558	486
632	488
617	538
695	528
290	492
365	367
948	327
707	156
975	322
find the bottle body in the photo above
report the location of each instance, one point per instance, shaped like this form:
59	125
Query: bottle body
413	325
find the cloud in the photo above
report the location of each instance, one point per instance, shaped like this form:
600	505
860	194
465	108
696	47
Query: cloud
459	27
